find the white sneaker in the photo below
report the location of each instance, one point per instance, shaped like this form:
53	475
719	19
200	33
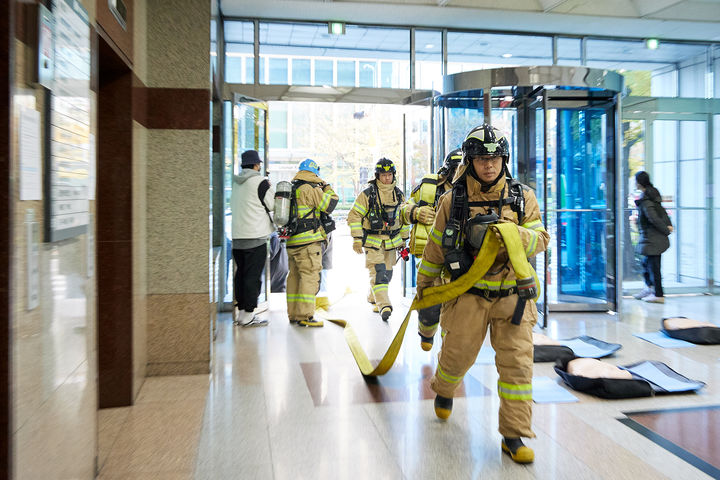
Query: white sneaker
255	321
242	317
643	293
653	299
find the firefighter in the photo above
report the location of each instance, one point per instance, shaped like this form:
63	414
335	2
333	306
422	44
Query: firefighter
421	213
377	224
484	194
312	197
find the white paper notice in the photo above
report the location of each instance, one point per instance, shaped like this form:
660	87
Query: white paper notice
30	159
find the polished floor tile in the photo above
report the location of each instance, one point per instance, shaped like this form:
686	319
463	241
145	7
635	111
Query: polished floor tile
691	433
284	402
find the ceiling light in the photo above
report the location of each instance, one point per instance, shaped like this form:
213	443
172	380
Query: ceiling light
652	43
507	55
429	45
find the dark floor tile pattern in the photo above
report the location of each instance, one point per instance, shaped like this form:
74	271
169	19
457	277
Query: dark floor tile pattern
692	434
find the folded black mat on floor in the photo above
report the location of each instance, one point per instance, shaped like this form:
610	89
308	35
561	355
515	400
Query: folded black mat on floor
583	346
698	335
649	377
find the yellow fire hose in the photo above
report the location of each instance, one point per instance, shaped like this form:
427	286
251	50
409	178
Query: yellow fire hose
443	293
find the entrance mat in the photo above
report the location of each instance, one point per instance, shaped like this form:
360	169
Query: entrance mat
546	390
662	340
692	434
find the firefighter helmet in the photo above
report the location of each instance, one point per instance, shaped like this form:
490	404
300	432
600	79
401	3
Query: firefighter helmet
485	140
384	165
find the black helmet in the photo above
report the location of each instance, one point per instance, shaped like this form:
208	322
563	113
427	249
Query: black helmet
485	140
451	162
384	166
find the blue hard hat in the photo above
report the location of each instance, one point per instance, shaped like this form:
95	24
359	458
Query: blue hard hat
310	165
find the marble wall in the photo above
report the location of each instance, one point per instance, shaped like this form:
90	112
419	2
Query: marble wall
54	378
178	149
54	349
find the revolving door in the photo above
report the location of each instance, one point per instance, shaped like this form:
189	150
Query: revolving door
562	124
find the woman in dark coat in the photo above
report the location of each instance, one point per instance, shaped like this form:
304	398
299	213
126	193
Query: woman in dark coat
654	226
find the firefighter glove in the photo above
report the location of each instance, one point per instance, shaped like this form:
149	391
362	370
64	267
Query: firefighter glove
425	215
357	246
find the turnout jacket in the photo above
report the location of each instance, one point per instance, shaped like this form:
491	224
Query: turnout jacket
427	193
311	200
501	275
388	197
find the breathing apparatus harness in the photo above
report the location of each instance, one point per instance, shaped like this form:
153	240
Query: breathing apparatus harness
381	218
464	235
298	224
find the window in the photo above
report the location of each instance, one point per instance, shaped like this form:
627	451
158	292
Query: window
474	51
300	71
278	126
346	73
323	72
428	59
368	74
239	52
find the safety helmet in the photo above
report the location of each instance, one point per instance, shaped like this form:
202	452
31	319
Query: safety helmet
384	165
485	140
452	160
310	165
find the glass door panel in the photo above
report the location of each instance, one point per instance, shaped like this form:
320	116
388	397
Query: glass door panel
249	132
417	160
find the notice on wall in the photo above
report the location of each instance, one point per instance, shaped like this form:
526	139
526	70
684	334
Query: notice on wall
29	150
69	171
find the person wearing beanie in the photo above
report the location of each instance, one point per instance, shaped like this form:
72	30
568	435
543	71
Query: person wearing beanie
251	202
654	226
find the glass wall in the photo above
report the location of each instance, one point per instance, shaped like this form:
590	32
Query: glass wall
475	51
345	140
428	60
239	41
306	54
671	70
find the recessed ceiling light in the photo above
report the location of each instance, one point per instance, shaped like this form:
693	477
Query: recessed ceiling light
507	55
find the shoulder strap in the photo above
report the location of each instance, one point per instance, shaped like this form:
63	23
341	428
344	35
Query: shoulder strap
262	189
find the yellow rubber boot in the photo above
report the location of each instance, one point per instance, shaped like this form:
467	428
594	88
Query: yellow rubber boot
443	407
517	450
311	322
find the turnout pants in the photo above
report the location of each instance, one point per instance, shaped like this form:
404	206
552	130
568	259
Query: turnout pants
465	321
249	265
380	265
303	281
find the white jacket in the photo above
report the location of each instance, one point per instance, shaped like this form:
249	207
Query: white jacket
249	218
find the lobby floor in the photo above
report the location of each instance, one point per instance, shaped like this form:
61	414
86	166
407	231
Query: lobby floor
286	402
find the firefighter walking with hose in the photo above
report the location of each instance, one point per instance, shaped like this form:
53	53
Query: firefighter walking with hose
483	197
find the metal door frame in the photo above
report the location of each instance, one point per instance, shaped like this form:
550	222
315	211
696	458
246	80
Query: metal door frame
239	99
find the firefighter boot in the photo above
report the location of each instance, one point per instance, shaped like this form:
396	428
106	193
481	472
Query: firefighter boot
385	313
311	322
443	407
426	343
517	450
